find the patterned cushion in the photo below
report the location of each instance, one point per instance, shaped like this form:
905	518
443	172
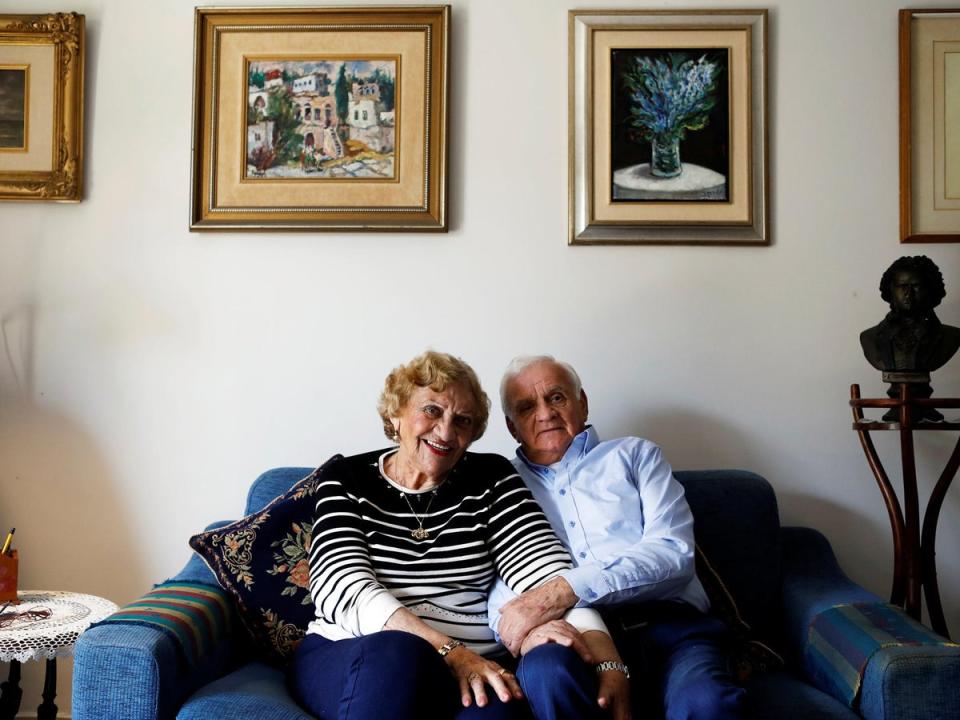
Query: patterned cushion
194	615
842	639
261	560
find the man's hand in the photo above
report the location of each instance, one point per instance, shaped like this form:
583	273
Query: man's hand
614	687
535	607
614	694
560	632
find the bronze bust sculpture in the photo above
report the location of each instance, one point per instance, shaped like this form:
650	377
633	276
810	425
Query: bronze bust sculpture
911	339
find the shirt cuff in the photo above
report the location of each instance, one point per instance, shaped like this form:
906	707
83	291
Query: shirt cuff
585	619
587	583
376	610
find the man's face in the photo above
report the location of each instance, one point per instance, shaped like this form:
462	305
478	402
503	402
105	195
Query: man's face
908	292
544	412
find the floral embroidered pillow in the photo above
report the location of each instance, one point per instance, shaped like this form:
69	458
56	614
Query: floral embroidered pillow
262	561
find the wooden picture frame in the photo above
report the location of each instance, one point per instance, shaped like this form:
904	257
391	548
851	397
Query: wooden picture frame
930	125
41	107
628	181
309	118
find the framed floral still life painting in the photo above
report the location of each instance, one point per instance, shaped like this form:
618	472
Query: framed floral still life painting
668	138
930	125
41	107
320	118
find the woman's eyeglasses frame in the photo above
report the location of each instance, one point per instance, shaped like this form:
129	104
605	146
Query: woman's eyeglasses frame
8	619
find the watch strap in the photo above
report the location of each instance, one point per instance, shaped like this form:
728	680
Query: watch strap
447	647
613	665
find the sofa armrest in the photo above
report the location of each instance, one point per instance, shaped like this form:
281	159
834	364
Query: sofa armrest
127	672
812	582
911	682
900	681
139	672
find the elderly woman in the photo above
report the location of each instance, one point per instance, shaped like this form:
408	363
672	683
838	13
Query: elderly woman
406	545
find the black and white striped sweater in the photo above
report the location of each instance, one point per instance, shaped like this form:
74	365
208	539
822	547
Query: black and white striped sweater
365	563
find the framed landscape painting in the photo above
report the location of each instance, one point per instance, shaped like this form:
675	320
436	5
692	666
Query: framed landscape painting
668	127
41	107
320	119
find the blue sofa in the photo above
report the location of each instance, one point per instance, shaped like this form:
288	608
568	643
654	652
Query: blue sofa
780	578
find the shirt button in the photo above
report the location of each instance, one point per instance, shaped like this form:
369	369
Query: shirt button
563	492
572	524
592	594
582	554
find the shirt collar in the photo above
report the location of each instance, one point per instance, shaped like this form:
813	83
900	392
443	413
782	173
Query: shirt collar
583	443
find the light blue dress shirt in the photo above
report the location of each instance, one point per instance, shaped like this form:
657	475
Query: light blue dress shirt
622	515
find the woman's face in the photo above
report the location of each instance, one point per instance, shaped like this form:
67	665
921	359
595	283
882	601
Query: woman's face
435	429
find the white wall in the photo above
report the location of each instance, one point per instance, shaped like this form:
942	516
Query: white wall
151	373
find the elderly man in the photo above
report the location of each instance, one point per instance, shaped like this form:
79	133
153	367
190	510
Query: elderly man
618	509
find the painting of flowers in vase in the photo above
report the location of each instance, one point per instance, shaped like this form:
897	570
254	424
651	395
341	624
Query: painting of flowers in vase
670	135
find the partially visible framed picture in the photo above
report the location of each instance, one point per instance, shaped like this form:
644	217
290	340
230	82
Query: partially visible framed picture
668	127
41	107
930	125
320	118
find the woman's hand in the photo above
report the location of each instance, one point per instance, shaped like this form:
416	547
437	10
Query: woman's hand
474	673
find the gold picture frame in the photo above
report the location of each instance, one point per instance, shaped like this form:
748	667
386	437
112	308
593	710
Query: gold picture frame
628	180
929	122
327	119
41	107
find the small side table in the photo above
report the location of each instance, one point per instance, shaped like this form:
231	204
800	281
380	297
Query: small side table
914	551
47	639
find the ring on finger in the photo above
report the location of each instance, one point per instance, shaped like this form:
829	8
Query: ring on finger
472	676
503	671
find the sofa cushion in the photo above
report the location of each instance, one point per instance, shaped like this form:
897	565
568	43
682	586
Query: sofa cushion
262	561
254	691
737	526
271	484
784	696
747	655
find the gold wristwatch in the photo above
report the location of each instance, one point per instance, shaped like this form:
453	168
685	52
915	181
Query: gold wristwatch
447	647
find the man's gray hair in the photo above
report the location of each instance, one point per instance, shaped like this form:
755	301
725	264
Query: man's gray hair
521	363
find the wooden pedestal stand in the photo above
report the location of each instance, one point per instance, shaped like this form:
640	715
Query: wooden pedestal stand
914	563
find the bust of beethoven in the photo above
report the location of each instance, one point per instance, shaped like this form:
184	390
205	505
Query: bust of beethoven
911	338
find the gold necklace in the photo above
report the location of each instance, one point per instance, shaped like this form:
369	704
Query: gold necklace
420	533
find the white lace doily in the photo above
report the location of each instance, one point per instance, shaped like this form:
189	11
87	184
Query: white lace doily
71	614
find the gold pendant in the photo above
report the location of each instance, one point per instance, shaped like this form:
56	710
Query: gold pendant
420	534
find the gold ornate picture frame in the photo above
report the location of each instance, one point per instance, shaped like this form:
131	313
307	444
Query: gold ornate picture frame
930	125
41	107
329	118
668	127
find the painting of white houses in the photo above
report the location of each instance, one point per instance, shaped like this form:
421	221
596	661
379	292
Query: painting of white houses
321	118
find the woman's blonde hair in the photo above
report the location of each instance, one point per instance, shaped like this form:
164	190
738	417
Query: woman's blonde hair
437	371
